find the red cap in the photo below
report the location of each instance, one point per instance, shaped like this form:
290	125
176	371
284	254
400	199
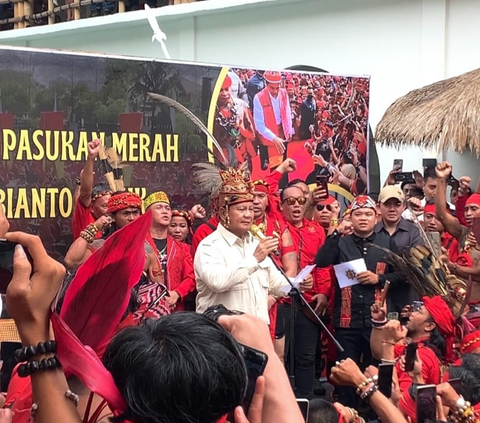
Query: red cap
474	199
227	82
273	77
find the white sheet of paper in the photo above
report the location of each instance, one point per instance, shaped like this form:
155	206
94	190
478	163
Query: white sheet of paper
347	272
299	278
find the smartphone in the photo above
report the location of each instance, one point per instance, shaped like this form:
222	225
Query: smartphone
322	181
393	315
255	361
304	405
428	163
385	373
7	355
404	177
410	355
398	165
7	249
455	383
384	293
426	404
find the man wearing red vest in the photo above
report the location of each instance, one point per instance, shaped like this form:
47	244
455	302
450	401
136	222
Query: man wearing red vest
272	117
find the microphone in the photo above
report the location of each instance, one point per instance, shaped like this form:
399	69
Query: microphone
257	233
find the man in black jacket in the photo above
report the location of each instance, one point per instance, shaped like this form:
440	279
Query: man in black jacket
352	321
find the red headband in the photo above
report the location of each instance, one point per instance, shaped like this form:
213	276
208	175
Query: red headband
261	186
474	199
443	318
124	201
185	214
227	82
470	342
362	202
431	209
329	200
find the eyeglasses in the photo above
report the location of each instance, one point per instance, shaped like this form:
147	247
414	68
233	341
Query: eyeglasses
292	200
320	207
417	305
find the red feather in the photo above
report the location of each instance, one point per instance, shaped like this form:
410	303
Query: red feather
99	294
84	363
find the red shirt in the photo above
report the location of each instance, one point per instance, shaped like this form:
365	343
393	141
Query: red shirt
431	374
307	240
451	245
82	217
180	274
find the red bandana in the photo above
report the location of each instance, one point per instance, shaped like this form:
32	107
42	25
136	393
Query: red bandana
363	201
124	201
443	318
260	186
474	199
470	342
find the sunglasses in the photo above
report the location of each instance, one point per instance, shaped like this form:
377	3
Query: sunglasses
320	207
292	200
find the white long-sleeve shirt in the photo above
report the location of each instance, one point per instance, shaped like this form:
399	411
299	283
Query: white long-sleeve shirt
259	118
227	273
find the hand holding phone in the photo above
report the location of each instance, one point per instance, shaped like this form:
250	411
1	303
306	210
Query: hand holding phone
322	183
426	404
385	374
410	356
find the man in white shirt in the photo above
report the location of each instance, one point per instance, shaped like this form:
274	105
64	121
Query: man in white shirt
273	118
231	266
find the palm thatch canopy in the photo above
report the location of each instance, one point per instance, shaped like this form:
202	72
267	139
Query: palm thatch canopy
444	114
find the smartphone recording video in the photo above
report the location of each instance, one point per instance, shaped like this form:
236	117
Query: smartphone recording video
426	404
6	264
410	355
322	182
385	374
255	361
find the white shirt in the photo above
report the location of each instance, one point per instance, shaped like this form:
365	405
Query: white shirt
227	273
259	117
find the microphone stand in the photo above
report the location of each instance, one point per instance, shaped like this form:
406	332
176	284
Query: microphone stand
296	292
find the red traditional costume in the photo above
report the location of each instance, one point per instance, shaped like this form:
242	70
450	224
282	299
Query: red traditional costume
175	264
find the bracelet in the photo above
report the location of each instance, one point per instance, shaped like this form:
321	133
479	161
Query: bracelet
27	369
366	382
92	229
73	397
368	392
388	342
87	237
379	323
26	353
384	360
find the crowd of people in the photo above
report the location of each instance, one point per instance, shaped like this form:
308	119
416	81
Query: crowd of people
259	114
148	318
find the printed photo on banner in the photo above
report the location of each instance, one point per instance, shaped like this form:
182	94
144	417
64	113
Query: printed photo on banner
319	120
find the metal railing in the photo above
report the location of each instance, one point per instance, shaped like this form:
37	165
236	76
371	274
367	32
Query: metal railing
24	16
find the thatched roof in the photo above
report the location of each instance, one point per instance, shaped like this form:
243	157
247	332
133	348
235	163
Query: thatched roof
444	114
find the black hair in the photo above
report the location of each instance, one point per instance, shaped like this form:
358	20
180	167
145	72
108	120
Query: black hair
181	368
291	184
100	188
429	172
469	374
436	342
321	411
